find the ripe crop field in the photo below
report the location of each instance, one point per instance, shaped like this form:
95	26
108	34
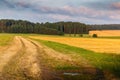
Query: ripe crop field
105	33
93	44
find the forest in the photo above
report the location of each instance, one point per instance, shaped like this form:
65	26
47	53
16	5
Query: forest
58	28
105	27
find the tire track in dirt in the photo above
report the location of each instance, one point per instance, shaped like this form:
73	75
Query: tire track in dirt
29	62
7	54
32	62
47	72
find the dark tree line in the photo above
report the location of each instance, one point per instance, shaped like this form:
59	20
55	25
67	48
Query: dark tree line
105	27
58	28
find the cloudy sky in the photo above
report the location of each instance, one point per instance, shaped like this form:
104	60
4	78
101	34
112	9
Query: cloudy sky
85	11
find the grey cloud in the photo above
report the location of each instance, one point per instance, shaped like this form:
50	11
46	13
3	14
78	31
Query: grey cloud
102	4
95	10
115	5
5	3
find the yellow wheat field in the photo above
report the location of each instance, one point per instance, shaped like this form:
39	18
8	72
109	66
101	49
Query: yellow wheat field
105	32
94	44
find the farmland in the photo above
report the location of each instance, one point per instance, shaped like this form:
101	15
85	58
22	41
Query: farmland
109	61
39	57
93	44
106	33
60	40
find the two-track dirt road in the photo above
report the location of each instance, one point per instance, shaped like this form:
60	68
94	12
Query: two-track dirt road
25	54
22	60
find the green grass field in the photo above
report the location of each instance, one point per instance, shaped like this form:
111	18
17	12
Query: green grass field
5	39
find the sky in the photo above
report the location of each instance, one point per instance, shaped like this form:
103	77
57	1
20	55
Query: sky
84	11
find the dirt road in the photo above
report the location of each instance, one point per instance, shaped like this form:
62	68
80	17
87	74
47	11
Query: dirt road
23	53
23	58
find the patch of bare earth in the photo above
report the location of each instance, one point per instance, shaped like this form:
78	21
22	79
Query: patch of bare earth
3	48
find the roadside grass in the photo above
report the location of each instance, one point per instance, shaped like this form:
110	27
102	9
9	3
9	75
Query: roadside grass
5	39
110	37
103	61
77	35
57	64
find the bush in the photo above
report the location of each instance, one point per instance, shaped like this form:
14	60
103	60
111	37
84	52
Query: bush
95	35
81	35
61	33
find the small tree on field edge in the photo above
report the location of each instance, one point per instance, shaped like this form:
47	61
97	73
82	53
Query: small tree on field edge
95	35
